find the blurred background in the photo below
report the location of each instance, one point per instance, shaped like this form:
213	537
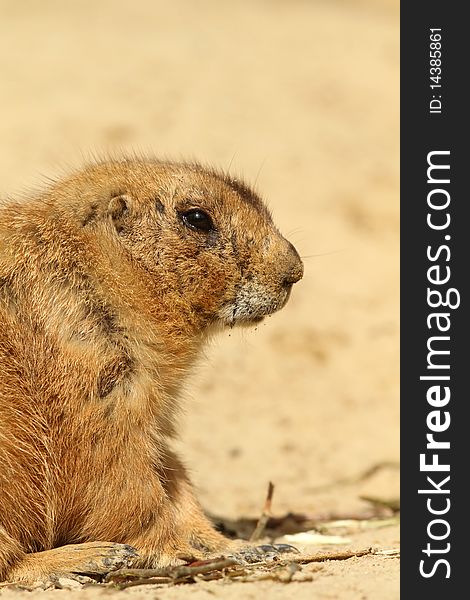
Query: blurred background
301	98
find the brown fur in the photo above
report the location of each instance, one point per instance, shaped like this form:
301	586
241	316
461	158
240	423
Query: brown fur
106	297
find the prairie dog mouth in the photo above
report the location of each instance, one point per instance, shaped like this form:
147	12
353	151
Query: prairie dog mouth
252	303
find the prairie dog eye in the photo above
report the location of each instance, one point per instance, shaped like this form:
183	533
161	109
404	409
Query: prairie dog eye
198	220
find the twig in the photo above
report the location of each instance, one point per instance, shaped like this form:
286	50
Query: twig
168	574
265	515
369	472
323	556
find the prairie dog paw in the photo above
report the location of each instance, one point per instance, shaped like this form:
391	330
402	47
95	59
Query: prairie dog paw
91	558
97	558
263	552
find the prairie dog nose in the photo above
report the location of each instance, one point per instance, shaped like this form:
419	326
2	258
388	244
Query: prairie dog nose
294	266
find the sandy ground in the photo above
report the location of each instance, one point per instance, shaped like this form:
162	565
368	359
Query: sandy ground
301	97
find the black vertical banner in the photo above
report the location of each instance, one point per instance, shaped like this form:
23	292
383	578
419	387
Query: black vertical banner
435	257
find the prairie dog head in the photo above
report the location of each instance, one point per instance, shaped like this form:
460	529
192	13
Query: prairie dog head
203	237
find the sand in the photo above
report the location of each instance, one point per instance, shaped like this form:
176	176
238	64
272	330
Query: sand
301	98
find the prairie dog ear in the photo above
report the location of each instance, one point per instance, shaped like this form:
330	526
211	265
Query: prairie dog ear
118	209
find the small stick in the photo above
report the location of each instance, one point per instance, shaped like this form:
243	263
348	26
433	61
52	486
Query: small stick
265	515
171	572
322	557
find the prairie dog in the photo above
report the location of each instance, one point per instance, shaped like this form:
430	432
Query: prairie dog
111	280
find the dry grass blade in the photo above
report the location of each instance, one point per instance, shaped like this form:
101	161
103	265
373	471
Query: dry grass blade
388	552
363	476
347	526
265	515
391	503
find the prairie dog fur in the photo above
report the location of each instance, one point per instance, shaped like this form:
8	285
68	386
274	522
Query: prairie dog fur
111	280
